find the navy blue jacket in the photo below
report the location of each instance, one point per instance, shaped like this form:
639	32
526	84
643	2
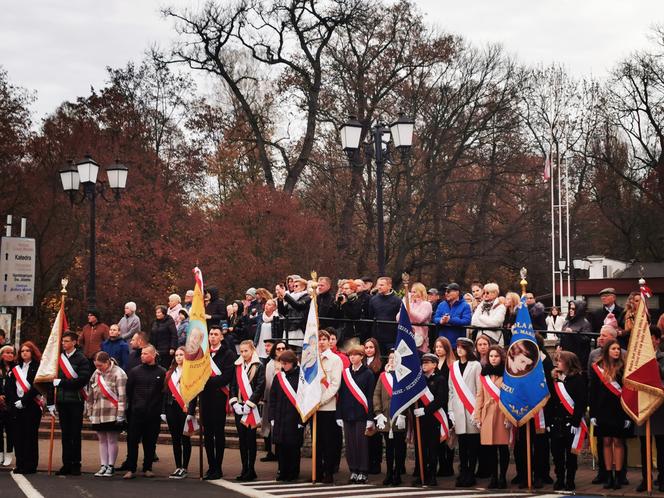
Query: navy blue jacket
384	307
460	317
348	408
118	349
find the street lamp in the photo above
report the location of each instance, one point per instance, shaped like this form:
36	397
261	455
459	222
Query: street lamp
378	139
578	264
85	172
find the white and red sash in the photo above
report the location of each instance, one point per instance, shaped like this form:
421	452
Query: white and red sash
490	387
213	373
427	399
69	372
567	401
540	422
253	418
465	394
612	386
287	389
106	390
174	387
355	389
23	386
191	426
387	381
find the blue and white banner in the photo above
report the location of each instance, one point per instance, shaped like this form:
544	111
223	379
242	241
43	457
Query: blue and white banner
409	381
524	390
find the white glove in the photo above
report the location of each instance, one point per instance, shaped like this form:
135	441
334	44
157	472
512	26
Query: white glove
120	419
593	421
418	412
51	410
574	430
299	426
163	417
380	421
56	382
189	419
508	424
246	409
370	424
401	422
450	417
477	423
627	424
237	408
340	422
19	405
272	423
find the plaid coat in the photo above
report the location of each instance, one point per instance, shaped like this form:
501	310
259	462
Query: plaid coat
98	408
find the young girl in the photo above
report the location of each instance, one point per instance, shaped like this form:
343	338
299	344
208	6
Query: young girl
246	391
394	435
375	365
462	388
482	348
105	407
176	415
446	359
355	413
606	412
567	428
490	419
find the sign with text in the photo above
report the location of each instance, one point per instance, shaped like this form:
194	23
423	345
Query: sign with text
6	324
17	271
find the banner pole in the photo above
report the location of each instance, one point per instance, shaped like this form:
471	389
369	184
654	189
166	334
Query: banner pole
313	446
52	435
419	444
200	442
530	477
649	457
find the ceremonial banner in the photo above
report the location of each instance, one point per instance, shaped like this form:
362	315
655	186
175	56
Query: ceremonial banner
310	387
196	366
409	381
48	368
642	386
524	390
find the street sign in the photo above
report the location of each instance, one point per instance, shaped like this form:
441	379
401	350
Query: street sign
6	324
17	271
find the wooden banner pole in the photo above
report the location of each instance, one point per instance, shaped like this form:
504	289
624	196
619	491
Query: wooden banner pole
314	426
648	457
528	457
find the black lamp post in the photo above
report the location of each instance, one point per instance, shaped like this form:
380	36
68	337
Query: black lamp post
86	172
378	138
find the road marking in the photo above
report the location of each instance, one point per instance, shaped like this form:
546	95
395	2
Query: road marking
24	485
380	492
304	486
238	488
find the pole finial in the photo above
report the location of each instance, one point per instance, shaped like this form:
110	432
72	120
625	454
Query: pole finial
524	283
63	282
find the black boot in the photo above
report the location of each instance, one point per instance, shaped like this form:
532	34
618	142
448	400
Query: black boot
616	480
611	480
570	485
559	484
388	479
493	483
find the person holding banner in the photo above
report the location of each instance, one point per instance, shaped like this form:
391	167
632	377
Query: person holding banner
354	413
105	407
213	400
177	415
567	428
73	375
494	431
25	408
606	412
285	421
246	392
394	434
463	383
430	421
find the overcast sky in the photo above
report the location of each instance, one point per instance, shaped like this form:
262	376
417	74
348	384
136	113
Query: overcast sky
60	49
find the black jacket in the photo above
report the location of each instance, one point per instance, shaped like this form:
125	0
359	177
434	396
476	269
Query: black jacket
348	408
561	420
145	390
576	342
27	398
256	374
285	416
164	335
385	307
133	359
216	308
295	311
438	385
69	390
212	395
604	405
350	309
327	308
597	317
168	399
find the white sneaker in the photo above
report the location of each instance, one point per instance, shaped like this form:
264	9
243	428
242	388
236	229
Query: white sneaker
101	471
7	459
110	471
183	473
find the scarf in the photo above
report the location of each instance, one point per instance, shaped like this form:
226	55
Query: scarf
487	306
268	319
298	295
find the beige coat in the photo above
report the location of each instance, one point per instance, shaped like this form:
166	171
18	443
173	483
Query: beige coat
487	411
381	405
333	367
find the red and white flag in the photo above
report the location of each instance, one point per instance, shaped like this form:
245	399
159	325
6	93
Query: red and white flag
547	166
48	367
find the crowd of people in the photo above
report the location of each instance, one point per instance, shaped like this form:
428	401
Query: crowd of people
123	378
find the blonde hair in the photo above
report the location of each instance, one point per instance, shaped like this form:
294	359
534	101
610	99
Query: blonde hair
512	300
419	290
492	287
356	349
248	342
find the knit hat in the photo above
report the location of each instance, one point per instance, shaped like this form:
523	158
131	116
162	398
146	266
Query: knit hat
611	321
251	291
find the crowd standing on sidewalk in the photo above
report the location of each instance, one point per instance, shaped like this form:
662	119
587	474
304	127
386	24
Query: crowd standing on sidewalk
123	378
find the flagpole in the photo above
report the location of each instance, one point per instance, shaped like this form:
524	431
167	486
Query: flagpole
313	447
418	433
649	457
52	435
63	294
200	442
524	285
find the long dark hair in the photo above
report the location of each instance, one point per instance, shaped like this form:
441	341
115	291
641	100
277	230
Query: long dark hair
469	349
171	369
499	369
376	364
612	368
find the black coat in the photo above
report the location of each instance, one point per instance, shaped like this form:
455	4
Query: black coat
256	376
597	317
169	399
327	308
385	307
577	342
348	408
351	309
212	396
216	308
27	398
69	389
133	359
145	390
561	420
164	335
604	405
295	311
438	385
285	416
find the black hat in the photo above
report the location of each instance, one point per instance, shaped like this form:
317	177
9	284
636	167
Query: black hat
429	357
465	340
453	286
367	279
272	341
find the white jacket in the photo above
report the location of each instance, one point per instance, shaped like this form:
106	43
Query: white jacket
333	368
462	419
494	319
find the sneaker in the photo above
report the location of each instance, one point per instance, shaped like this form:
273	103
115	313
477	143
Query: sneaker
353	478
183	473
175	474
101	471
361	479
110	471
129	475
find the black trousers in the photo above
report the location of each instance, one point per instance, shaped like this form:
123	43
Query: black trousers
469	446
375	453
540	451
445	460
71	423
248	448
176	418
213	418
143	428
26	433
484	461
6	429
326	442
430	442
338	438
564	460
498	459
288	456
395	452
659	443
